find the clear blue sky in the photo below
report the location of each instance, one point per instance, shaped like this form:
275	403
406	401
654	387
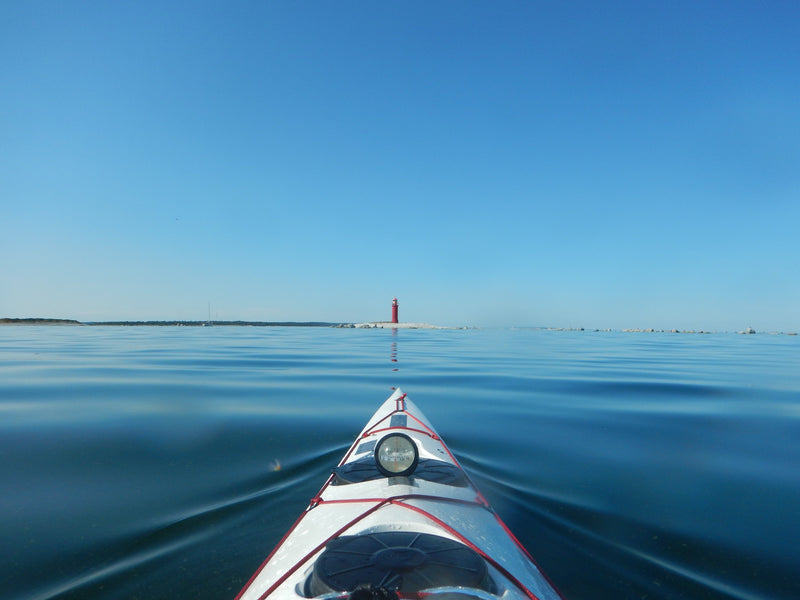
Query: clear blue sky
586	164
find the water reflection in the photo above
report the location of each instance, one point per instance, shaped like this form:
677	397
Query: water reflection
394	348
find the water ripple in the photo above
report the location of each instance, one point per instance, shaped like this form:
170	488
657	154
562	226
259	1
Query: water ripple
167	462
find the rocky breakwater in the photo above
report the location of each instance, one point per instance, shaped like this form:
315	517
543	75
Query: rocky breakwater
389	325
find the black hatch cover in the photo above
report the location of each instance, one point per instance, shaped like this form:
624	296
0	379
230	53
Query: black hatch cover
399	560
429	469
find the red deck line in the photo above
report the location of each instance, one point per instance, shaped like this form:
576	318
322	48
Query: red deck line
374	431
401	501
271	554
396	499
452	457
468	543
432	434
427	431
528	554
289	572
388	416
381	502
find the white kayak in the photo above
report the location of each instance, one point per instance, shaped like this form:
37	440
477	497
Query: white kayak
399	518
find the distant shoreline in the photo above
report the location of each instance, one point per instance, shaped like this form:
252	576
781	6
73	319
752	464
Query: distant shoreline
174	323
38	321
365	325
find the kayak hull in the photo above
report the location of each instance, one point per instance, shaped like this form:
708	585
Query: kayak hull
426	534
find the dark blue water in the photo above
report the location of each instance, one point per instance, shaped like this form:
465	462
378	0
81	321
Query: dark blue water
140	462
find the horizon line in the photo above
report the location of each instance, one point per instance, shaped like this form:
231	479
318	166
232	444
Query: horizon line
348	324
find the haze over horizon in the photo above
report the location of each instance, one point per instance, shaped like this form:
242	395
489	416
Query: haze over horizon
566	164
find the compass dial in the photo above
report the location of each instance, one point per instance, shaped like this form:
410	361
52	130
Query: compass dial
396	455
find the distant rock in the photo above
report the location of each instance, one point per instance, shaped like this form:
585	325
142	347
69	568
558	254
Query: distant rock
388	325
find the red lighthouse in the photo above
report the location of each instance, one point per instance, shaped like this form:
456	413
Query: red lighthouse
394	311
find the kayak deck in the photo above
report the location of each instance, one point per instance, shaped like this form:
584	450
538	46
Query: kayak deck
426	531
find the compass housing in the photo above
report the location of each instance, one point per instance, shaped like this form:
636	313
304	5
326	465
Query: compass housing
396	455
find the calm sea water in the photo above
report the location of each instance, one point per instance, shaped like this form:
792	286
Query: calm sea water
140	462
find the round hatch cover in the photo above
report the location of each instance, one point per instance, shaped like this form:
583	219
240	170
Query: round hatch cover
400	560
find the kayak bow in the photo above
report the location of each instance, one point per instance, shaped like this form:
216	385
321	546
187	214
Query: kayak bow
399	518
